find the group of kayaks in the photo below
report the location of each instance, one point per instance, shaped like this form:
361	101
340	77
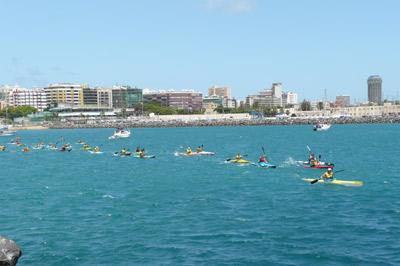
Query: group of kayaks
312	163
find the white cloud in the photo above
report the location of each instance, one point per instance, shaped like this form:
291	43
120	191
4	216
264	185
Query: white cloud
233	6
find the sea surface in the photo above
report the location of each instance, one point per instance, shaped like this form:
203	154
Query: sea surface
77	208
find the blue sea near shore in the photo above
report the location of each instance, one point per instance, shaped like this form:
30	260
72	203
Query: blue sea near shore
78	208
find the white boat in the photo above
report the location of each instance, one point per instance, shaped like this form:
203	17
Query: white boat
5	130
6	133
120	133
321	127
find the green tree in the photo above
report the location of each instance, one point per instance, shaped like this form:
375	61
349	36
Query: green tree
305	106
19	111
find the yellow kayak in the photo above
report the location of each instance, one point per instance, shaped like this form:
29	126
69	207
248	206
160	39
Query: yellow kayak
240	161
337	182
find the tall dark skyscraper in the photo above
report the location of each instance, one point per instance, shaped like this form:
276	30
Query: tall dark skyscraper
375	89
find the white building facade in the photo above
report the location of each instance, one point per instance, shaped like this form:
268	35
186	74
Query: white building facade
28	97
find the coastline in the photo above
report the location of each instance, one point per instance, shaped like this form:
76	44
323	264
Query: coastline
148	123
37	127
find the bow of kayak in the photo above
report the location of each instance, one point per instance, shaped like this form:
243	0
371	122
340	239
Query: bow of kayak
264	165
336	182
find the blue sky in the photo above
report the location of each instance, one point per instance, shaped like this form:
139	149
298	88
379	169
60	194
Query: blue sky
308	45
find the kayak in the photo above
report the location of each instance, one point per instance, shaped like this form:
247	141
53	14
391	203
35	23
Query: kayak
264	165
96	152
238	161
196	153
122	155
337	182
38	147
320	166
145	157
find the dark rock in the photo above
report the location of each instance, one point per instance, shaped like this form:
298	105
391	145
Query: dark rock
9	252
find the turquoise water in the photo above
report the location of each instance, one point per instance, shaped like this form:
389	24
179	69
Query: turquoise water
82	209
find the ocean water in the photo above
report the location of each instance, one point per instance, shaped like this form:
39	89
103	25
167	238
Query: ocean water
77	208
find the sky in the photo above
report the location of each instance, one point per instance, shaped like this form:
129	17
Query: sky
307	45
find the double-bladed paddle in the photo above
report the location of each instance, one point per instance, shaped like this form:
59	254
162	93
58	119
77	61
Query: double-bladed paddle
316	180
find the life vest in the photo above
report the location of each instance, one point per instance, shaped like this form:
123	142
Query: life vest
328	175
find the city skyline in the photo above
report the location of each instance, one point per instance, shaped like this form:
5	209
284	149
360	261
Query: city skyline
244	44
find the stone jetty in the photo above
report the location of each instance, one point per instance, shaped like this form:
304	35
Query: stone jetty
149	123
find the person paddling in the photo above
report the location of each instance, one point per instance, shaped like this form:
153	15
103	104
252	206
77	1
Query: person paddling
328	175
238	156
142	153
263	159
188	151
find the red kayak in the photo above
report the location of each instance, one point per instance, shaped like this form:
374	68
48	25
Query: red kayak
320	166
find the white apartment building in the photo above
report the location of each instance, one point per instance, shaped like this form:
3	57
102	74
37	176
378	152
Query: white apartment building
28	97
292	98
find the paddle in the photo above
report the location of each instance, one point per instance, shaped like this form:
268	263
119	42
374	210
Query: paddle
308	148
264	153
316	180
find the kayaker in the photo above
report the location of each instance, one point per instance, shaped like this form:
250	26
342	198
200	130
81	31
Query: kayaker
262	159
2	148
142	153
138	149
314	163
238	156
96	149
26	149
199	149
123	151
328	175
311	157
189	151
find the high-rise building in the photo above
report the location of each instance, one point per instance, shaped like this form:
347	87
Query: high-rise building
224	93
65	94
289	98
126	97
90	97
220	91
28	97
342	101
104	97
185	100
375	89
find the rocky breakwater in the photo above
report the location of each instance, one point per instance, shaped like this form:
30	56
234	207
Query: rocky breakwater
134	123
9	252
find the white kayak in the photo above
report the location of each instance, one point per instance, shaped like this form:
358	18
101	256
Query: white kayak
145	157
201	153
336	182
96	152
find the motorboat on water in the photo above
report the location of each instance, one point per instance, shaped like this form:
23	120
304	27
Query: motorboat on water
6	131
120	133
321	127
